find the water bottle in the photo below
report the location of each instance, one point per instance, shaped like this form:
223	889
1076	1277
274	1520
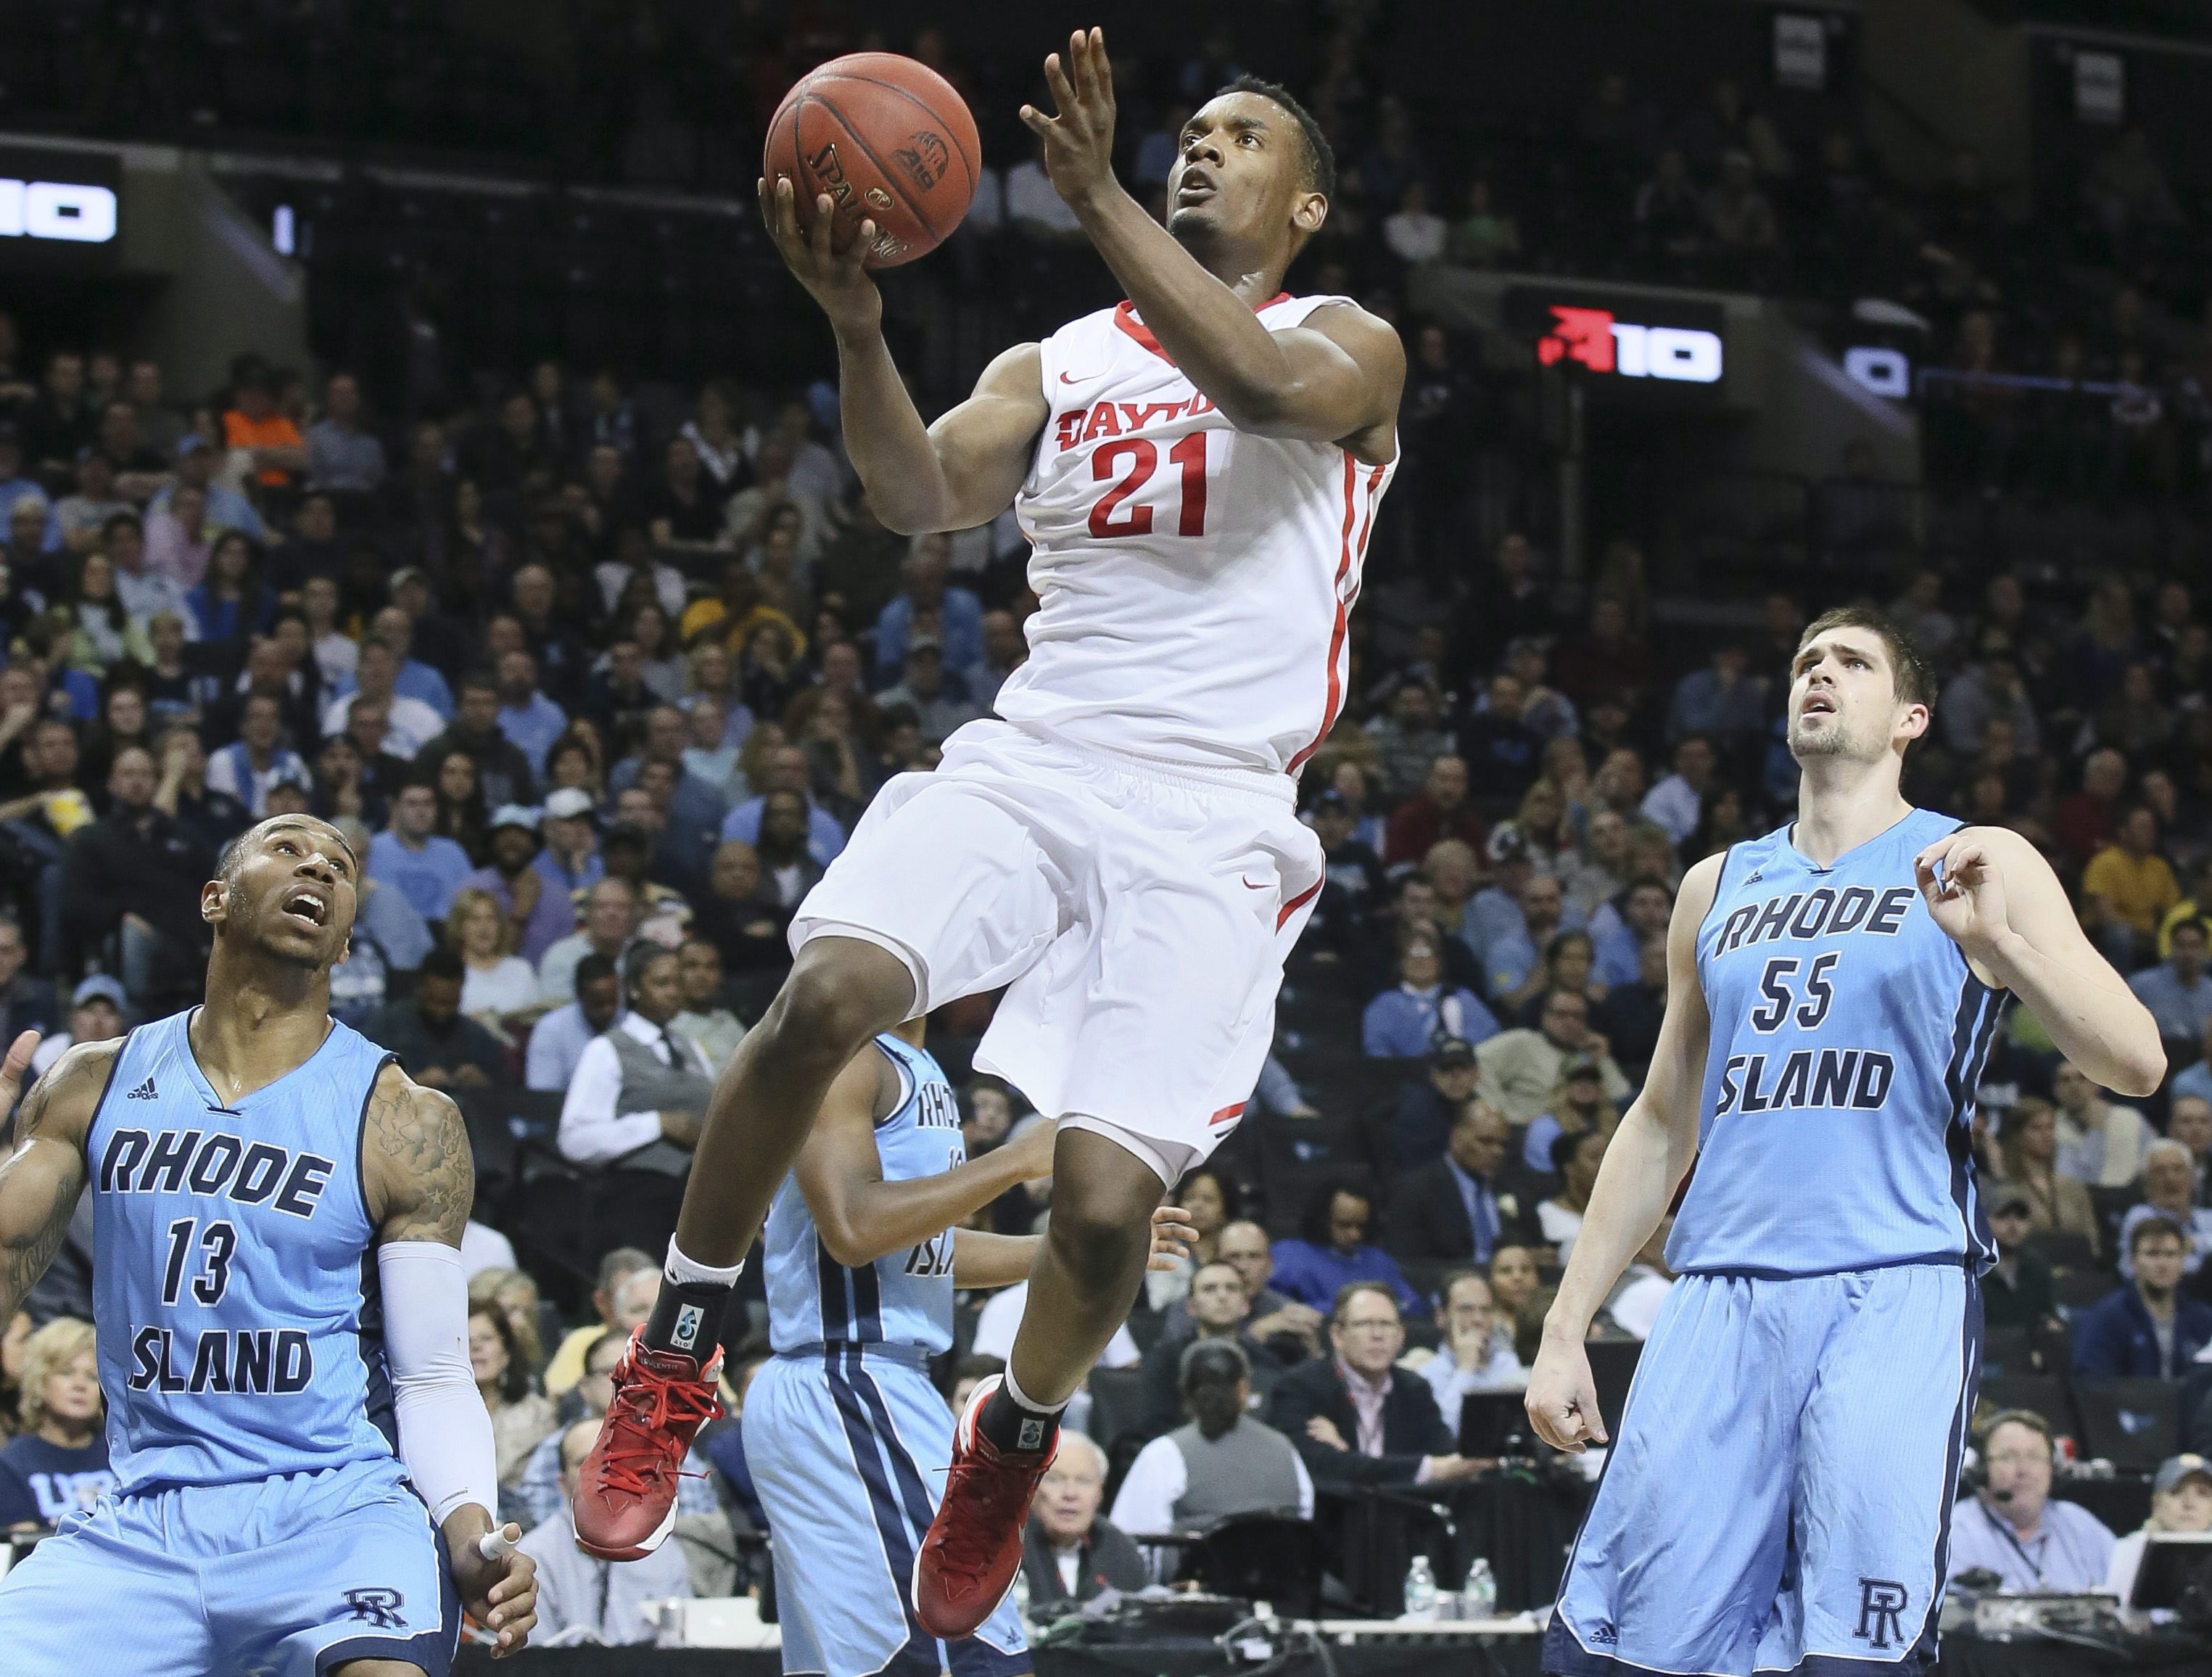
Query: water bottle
1479	1600
1420	1590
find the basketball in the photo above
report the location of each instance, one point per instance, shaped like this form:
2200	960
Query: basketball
889	141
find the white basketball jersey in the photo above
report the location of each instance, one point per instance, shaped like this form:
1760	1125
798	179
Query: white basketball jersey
1195	579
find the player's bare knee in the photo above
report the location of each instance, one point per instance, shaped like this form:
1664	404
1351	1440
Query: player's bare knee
1097	1248
1101	1223
841	992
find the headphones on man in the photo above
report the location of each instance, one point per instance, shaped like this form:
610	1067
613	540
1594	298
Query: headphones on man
1974	1478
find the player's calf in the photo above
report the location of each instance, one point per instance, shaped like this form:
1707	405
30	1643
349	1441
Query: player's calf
1087	1279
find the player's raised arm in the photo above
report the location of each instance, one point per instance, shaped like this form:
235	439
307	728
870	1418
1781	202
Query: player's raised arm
860	1217
962	471
420	1178
1649	1154
41	1180
1337	378
1997	899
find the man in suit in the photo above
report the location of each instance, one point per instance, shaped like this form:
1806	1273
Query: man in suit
1454	1209
1355	1422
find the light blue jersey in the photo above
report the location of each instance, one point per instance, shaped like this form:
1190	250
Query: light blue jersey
904	1298
233	1266
1848	1038
846	1438
1778	1495
262	1522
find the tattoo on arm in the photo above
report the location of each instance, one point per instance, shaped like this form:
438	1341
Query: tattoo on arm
41	1182
422	1151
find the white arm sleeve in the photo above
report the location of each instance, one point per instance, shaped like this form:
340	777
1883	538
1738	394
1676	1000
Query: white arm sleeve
445	1430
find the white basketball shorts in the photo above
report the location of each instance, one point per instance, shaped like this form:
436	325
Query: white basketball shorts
1137	913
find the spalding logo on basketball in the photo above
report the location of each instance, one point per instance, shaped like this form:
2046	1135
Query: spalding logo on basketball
887	140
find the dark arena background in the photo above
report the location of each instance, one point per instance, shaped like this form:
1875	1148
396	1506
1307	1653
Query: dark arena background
400	396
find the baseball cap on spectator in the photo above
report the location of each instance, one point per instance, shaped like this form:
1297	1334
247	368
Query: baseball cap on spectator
568	802
1454	1055
626	832
1334	801
407	573
2009	1199
1506	844
925	642
1583	1069
98	986
191	442
518	815
2176	1468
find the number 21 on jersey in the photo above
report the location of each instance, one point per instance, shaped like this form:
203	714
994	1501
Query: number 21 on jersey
1127	464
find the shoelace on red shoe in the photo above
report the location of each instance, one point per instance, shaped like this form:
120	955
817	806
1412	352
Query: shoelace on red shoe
969	1546
638	1434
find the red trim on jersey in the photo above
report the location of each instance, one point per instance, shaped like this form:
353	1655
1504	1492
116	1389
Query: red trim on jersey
1335	699
1225	1115
1294	904
1125	317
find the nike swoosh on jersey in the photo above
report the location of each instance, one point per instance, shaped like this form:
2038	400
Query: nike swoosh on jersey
1084	379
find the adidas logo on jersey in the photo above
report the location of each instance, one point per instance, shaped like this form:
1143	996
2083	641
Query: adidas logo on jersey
144	1091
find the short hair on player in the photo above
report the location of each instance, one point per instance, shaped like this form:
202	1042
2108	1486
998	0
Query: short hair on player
1911	679
232	858
1320	156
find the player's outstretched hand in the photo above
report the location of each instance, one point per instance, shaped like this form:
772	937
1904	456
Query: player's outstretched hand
500	1590
1562	1401
1173	1236
1031	1152
1966	896
13	1067
1078	137
834	278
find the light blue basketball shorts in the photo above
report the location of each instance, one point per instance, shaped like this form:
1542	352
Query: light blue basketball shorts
1779	1495
848	1448
290	1576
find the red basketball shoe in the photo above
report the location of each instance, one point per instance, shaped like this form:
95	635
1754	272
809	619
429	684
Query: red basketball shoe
625	1503
968	1562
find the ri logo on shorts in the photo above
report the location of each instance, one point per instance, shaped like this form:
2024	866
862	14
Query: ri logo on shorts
1882	1610
379	1608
